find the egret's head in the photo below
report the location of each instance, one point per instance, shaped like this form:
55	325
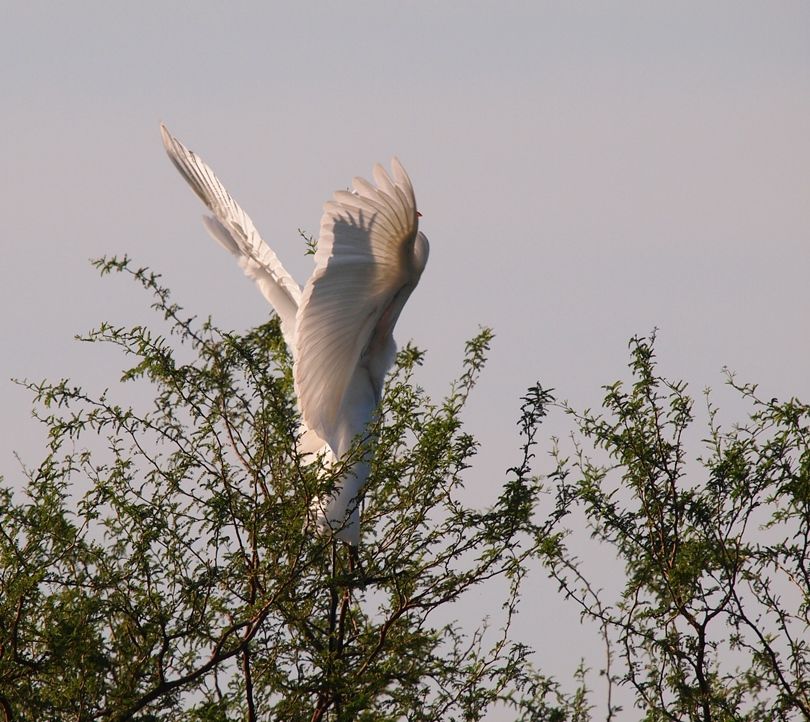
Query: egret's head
421	251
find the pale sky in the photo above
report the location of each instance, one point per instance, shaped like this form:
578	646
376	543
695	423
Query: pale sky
585	171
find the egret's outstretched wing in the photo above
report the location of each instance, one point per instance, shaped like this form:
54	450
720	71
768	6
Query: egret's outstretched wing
364	271
232	228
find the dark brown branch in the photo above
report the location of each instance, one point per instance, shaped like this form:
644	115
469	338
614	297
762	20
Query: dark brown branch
218	655
248	684
8	713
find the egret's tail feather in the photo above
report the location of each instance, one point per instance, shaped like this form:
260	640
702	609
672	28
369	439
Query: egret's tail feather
339	512
342	523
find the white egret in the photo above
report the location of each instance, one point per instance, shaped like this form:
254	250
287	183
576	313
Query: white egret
339	328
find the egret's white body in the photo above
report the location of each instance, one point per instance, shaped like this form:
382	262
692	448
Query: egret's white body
339	327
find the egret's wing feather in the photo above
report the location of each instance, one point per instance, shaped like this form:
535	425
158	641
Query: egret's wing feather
340	510
232	228
363	261
221	234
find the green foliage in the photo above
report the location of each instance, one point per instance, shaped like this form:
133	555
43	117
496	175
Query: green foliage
711	619
161	563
